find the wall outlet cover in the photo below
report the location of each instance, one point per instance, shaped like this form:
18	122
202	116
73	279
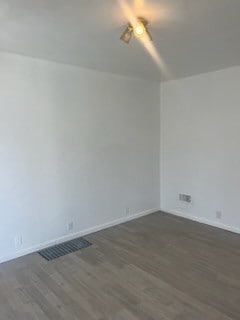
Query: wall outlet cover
219	215
70	226
18	241
127	210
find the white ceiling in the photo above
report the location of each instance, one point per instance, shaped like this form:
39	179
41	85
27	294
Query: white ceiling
192	36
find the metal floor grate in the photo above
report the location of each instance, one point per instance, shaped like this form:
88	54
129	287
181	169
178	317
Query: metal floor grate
63	249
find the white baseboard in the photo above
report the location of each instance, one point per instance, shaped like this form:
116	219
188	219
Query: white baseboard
81	233
203	220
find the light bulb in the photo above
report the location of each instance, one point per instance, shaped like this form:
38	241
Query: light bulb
139	30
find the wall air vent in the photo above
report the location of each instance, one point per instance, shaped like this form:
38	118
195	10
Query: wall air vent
185	198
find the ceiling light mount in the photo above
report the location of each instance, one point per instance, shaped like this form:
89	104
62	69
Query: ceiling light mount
139	29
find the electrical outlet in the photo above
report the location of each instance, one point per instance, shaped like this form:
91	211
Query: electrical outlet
127	210
18	241
70	226
219	215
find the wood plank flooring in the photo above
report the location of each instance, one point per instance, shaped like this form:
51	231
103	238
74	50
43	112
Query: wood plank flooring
157	267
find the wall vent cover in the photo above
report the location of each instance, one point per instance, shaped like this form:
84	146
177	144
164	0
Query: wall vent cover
185	198
63	249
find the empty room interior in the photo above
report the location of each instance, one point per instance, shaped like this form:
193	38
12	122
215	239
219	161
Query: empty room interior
119	159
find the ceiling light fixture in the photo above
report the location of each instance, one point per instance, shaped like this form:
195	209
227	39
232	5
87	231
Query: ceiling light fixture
140	30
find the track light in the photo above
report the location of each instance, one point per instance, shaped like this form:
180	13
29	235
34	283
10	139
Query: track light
140	31
127	34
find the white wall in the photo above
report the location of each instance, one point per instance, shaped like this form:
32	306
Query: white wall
200	147
75	145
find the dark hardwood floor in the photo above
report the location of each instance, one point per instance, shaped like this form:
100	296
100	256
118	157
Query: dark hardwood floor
157	267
